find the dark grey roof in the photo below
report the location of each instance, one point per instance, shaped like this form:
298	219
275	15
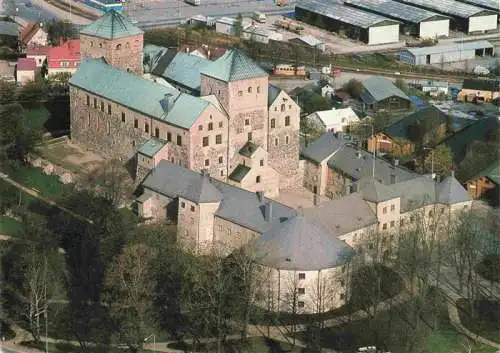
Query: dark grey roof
358	164
9	29
378	88
373	191
236	205
343	215
322	147
298	244
272	94
450	191
239	172
248	149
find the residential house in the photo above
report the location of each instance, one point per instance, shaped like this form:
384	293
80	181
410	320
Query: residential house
381	94
427	126
311	42
479	90
38	53
64	58
433	88
25	70
33	34
334	120
486	184
7	71
327	89
332	165
202	21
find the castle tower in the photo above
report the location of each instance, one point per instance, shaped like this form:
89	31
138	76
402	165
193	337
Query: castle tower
242	88
117	39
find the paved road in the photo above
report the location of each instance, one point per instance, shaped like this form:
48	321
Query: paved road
32	12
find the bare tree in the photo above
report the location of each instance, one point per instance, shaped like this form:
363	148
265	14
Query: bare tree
113	181
292	302
36	283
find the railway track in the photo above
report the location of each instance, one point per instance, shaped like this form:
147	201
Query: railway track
64	6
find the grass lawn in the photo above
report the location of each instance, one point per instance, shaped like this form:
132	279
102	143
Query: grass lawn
9	226
70	348
48	185
252	345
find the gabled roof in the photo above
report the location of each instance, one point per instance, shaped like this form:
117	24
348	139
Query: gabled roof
323	147
449	191
28	32
26	64
151	147
237	205
239	173
136	93
379	88
234	65
69	50
272	94
37	50
429	118
298	244
111	26
248	149
9	29
374	191
492	172
335	116
481	85
310	40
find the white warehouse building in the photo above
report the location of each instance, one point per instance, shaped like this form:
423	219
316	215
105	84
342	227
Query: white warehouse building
360	25
467	18
446	53
416	21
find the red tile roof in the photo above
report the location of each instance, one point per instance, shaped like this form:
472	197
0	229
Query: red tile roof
28	32
68	51
37	50
26	64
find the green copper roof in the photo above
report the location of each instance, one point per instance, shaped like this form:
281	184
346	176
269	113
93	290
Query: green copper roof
248	149
492	172
151	147
234	65
110	26
239	173
144	96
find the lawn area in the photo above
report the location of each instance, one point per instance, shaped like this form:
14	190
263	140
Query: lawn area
9	226
487	318
70	348
252	345
31	177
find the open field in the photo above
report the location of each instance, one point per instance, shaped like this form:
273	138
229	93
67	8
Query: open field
9	226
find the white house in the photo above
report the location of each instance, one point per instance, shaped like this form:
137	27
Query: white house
334	120
327	90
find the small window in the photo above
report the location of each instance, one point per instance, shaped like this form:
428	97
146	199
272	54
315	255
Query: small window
102	106
249	89
133	143
258	89
301	291
109	109
210	126
169	137
302	275
207	162
200	127
300	304
222	172
220	228
261	162
412	219
179	140
221	159
276	141
275	109
250	136
257	179
91	43
384	210
287	140
157	132
287	120
221	124
192	208
146	128
273	123
384	226
205	141
108	126
240	93
431	213
218	139
392	224
247	122
118	46
127	45
123	117
402	222
282	107
393	207
100	45
342	296
89	121
88	99
229	231
95	103
183	204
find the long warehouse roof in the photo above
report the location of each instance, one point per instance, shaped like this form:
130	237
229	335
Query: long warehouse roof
450	7
394	9
343	13
450	48
487	4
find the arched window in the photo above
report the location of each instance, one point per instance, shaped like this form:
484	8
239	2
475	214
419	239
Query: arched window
91	43
127	45
249	89
118	46
258	89
100	45
287	120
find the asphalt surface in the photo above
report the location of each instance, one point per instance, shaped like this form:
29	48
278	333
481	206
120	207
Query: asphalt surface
26	10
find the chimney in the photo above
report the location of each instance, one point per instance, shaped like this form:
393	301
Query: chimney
260	196
167	101
209	54
268	211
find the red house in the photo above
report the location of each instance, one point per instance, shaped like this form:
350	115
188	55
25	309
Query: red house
64	58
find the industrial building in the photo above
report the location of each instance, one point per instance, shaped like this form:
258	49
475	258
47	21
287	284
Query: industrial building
493	5
367	27
467	18
446	53
416	21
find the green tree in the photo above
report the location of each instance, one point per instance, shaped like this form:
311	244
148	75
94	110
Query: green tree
33	93
60	30
310	130
238	26
381	120
400	83
400	148
7	92
354	88
11	120
439	160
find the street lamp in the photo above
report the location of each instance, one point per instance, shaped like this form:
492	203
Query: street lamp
154	341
